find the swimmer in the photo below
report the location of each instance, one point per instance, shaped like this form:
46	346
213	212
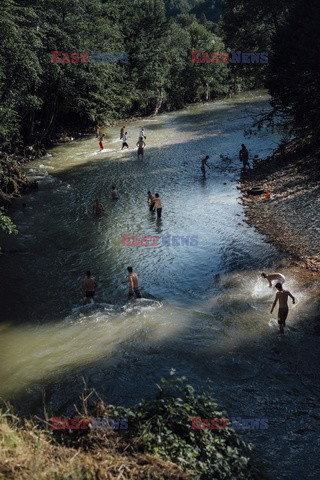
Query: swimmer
204	165
274	276
124	140
101	144
114	193
97	207
150	201
140	144
134	283
88	286
282	296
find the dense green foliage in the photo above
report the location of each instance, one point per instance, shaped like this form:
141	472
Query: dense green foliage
294	71
163	427
38	96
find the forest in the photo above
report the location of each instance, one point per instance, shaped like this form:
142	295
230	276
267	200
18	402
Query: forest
40	98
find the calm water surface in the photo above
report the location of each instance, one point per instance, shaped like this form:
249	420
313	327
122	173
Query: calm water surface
205	312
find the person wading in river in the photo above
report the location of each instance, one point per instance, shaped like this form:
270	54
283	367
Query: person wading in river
274	276
204	165
114	193
150	201
88	286
134	283
124	140
244	156
158	205
97	207
101	143
282	296
140	144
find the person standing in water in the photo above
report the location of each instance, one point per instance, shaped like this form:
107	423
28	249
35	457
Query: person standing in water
114	193
124	140
101	143
141	133
88	287
97	207
158	205
282	296
204	165
133	282
244	156
150	201
97	130
274	276
122	132
140	144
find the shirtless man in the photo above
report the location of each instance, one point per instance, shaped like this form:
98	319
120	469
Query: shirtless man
274	276
204	165
97	207
282	296
140	144
88	286
134	283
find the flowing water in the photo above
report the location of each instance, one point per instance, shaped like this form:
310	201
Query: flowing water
205	311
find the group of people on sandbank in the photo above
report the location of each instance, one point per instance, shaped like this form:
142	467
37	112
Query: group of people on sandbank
281	297
89	285
124	137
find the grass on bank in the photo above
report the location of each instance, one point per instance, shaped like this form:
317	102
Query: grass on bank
158	444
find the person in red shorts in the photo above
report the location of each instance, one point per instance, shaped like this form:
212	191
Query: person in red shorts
101	144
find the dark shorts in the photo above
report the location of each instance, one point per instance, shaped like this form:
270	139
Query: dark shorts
151	207
124	144
140	151
89	294
136	293
282	314
203	170
159	210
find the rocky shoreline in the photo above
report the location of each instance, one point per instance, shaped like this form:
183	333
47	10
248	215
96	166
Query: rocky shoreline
289	217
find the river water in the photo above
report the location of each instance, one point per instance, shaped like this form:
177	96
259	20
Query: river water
205	311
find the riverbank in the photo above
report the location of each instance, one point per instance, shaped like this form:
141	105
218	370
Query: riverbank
290	216
156	440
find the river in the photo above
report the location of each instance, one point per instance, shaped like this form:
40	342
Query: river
205	311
